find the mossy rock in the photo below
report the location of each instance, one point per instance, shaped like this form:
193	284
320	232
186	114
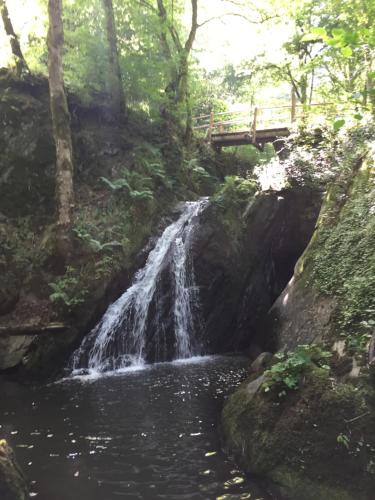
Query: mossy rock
12	481
294	440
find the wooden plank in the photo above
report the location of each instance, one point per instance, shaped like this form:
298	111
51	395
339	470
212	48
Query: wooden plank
245	137
211	126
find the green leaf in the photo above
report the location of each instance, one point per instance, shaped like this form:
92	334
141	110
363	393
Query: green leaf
346	51
311	37
338	32
338	124
319	31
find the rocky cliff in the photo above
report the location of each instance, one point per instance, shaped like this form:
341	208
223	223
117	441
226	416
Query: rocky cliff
307	421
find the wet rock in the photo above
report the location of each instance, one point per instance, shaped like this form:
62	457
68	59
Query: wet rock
242	262
317	442
261	362
12	481
299	316
13	349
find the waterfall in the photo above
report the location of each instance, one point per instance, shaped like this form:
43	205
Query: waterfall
133	325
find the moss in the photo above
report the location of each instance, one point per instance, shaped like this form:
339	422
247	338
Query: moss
339	261
294	440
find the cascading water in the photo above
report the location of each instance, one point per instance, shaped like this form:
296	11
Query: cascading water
135	322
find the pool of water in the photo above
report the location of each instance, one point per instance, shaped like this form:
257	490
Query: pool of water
146	434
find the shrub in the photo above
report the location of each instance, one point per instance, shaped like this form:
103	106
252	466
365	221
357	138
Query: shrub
235	191
286	373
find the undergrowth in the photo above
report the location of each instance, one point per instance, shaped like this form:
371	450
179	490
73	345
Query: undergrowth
287	372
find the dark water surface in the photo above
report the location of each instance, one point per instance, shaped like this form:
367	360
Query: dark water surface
149	434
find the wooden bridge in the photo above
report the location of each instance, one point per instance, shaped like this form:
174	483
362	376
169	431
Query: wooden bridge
257	126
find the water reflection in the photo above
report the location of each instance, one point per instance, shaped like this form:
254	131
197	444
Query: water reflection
148	434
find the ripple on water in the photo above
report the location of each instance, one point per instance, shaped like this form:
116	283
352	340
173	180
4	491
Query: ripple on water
149	433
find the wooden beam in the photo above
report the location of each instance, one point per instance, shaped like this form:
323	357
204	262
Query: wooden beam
21	330
211	125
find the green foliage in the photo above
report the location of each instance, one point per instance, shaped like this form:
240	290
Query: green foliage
235	191
137	186
338	124
343	264
94	244
22	246
252	155
287	372
197	177
343	439
144	177
67	289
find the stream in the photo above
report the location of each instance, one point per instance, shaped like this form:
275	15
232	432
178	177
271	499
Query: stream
146	433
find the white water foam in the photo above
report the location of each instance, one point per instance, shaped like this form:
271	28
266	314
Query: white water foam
118	342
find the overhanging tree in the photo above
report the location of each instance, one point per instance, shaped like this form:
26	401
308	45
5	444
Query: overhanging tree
176	54
21	66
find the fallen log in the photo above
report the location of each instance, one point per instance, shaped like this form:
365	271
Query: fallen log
16	330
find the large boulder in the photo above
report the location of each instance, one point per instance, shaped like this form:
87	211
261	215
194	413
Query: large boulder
243	260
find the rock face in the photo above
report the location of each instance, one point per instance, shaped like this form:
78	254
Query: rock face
27	190
12	481
243	261
311	440
12	350
299	316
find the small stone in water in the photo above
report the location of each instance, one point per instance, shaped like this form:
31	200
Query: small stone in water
76	474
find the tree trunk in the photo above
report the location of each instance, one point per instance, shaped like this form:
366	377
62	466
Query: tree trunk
114	78
177	90
21	66
61	131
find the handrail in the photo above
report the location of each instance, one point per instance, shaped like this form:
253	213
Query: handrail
257	117
221	113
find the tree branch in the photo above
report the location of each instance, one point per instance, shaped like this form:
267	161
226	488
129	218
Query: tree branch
194	26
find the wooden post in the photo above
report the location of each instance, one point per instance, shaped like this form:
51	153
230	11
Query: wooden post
294	107
211	126
254	127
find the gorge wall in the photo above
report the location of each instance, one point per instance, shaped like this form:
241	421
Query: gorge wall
307	422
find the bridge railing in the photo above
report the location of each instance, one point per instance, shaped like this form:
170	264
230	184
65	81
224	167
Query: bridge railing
265	118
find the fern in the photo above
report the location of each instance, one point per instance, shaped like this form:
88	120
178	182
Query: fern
141	195
116	184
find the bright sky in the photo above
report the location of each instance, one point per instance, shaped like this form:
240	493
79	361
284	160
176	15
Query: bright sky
229	39
232	39
26	16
